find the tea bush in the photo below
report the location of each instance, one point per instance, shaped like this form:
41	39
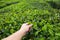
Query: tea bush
43	14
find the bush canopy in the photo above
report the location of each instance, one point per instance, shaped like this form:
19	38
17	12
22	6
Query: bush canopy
43	14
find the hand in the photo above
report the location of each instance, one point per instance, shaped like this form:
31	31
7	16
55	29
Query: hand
26	27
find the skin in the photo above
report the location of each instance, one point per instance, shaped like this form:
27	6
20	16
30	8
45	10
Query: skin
20	33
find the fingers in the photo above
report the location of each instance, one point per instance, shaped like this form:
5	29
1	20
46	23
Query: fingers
30	25
26	23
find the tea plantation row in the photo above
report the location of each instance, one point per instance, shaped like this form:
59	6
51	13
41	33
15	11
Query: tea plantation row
43	14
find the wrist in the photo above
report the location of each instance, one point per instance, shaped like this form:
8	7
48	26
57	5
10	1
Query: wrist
22	32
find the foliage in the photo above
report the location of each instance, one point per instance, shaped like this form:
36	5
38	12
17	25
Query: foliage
43	14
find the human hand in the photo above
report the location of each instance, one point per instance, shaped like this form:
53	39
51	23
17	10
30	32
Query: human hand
26	27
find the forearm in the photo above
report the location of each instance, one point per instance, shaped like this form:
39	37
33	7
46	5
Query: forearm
19	34
15	36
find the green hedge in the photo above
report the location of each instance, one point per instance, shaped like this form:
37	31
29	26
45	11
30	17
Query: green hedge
43	14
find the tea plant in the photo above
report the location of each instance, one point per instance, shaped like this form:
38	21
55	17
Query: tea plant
43	14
